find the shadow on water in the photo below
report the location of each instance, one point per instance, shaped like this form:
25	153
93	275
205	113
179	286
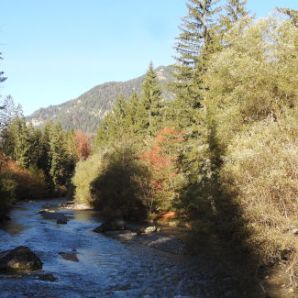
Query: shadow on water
12	228
219	229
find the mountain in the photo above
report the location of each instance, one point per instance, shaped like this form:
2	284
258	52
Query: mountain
86	111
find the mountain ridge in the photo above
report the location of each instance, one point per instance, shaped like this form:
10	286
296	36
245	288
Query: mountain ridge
87	110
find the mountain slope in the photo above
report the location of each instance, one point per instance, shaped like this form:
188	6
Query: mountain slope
86	111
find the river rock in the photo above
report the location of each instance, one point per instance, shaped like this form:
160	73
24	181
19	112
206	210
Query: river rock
62	220
20	259
111	225
148	230
69	256
47	277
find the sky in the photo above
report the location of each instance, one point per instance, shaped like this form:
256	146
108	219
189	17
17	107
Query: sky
56	50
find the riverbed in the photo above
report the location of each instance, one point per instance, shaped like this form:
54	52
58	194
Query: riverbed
105	267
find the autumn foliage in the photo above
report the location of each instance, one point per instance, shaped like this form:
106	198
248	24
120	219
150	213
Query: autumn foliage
82	145
161	157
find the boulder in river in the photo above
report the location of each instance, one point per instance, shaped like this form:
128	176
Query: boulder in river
111	225
148	230
69	256
62	220
21	259
47	277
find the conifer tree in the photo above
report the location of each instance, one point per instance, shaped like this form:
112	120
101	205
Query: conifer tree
151	103
195	34
234	11
131	122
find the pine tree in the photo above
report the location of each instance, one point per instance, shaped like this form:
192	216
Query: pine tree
151	104
235	10
60	165
131	122
113	126
195	34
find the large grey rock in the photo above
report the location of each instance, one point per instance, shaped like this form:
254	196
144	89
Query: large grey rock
20	259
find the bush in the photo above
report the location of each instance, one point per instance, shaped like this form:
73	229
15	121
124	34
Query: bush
85	172
161	157
123	186
7	195
263	164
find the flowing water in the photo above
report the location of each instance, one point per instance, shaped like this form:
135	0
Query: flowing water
106	267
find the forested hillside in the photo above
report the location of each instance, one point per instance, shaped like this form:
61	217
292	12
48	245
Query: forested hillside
86	111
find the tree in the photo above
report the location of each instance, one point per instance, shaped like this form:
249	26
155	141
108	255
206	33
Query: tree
151	104
132	117
196	33
82	145
291	13
235	10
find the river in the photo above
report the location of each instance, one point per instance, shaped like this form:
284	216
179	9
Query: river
106	267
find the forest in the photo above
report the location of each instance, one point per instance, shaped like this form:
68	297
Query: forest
222	155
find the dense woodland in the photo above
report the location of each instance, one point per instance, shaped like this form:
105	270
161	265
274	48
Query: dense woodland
223	154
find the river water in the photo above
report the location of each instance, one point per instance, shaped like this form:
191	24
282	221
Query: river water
106	267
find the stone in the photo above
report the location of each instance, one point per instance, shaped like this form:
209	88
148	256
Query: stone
149	230
47	277
69	256
21	259
62	221
111	225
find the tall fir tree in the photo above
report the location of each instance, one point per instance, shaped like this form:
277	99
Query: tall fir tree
132	122
150	110
193	44
235	10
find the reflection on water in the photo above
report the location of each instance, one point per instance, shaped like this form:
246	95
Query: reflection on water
13	228
85	215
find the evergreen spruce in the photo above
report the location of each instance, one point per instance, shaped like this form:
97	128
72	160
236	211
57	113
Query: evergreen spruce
151	104
235	10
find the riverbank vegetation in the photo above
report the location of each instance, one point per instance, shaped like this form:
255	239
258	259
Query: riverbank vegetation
36	163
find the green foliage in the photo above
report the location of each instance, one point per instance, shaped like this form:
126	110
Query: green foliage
135	117
7	194
85	172
248	84
122	188
196	33
49	152
150	112
261	169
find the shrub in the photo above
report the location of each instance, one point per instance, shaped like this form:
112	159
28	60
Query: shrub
85	172
7	195
161	156
263	164
122	187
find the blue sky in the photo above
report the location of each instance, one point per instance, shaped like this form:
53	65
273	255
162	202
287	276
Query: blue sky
55	50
